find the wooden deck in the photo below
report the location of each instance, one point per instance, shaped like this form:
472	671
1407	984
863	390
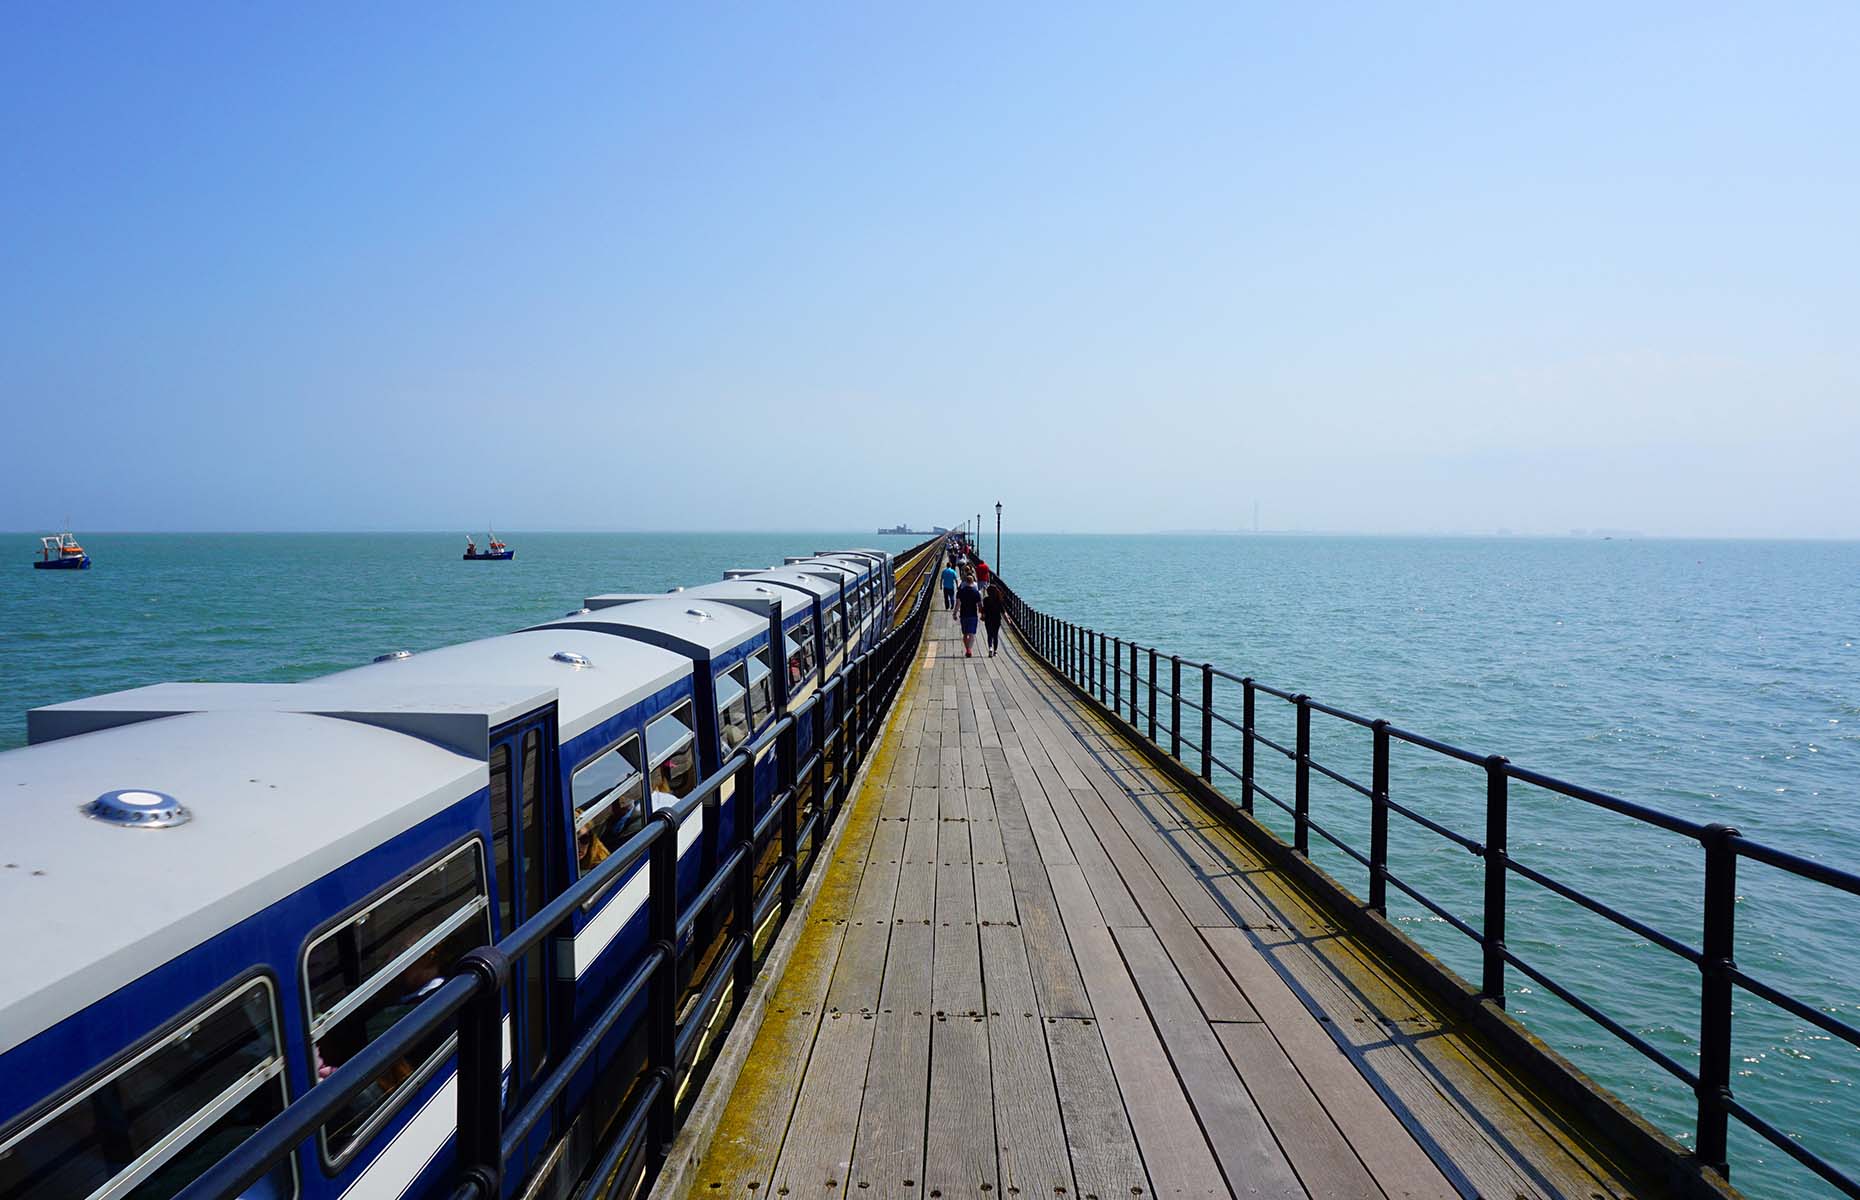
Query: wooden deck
1034	967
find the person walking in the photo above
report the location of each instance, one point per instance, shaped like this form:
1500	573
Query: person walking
968	606
949	587
994	604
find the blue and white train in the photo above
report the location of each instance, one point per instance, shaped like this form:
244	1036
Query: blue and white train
214	895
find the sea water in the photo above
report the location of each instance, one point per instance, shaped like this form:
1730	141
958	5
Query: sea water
1716	680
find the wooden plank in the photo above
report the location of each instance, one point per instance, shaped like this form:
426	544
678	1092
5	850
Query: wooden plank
1243	1142
1362	1110
1322	1156
1175	1153
1103	1150
1031	1137
1054	848
888	1154
916	896
1114	898
1055	976
956	985
960	1154
817	1152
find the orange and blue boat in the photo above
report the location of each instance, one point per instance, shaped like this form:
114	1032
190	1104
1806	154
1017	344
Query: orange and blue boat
61	552
496	550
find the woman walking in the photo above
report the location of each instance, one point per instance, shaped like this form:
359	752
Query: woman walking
968	604
993	605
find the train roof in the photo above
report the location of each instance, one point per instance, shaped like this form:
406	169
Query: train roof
686	625
791	601
795	577
613	676
277	801
460	719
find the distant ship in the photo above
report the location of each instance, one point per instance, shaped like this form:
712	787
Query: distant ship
495	551
61	552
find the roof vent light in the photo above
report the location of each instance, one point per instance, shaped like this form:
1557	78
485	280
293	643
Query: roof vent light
699	613
394	656
137	808
577	612
571	658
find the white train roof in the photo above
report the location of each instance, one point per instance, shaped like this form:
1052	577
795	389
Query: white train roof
458	718
276	801
613	675
733	590
675	620
796	577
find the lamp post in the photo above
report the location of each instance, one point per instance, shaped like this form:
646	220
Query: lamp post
997	537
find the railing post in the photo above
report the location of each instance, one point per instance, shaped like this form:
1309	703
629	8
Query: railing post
1715	966
1497	802
1301	798
1133	685
1104	668
1246	745
1152	694
791	815
744	809
1207	721
481	1070
1379	820
1117	676
1175	707
662	1025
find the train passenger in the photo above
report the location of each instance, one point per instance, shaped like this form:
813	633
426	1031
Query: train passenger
949	586
968	606
994	604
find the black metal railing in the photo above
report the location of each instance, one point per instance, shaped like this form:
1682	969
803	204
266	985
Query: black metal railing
469	1003
1088	660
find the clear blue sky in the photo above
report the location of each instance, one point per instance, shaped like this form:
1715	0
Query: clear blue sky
1130	267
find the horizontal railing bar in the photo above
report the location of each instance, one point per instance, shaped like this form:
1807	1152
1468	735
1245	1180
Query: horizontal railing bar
1458	839
768	820
722	972
1260	789
1428	904
1833	1025
627	1136
1792	1148
1231	724
1289	697
1438	747
1219	673
1345	780
1190	745
279	1138
771	893
519	1126
1339	713
1795	864
1187	703
1338	842
1216	760
1631	924
1626	808
724	876
1266	741
1654	1053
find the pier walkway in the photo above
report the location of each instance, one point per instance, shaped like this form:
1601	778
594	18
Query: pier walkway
1035	966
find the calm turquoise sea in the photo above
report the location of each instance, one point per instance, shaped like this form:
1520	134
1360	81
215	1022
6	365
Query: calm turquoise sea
1719	680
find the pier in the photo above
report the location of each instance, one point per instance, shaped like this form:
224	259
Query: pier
1037	965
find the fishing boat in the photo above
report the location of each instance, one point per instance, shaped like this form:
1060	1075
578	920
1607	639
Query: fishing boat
61	552
495	550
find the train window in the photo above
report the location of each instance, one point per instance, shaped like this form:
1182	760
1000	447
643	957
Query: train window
157	1122
761	698
835	637
733	707
671	749
375	968
500	838
608	811
801	652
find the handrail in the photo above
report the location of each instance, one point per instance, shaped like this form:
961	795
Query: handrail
1073	653
469	1002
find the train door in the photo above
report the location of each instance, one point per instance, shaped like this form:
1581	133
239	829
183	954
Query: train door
525	813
